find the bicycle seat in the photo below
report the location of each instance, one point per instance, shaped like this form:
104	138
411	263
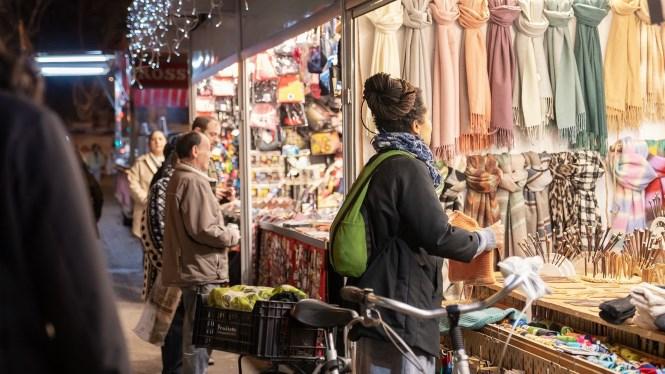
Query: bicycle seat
318	314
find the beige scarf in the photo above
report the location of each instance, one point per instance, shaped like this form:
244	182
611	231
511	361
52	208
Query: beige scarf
652	68
623	97
445	88
533	82
473	15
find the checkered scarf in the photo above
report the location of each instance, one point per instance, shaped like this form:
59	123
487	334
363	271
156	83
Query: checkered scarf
537	194
511	200
453	187
564	201
632	173
482	179
588	169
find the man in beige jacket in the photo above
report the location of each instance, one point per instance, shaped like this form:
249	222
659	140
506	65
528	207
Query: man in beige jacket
196	240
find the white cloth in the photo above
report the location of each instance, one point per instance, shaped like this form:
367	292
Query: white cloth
529	267
418	52
649	301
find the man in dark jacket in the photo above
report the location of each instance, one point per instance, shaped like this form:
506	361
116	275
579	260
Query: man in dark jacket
58	313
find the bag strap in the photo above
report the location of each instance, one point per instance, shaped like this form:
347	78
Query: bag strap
361	181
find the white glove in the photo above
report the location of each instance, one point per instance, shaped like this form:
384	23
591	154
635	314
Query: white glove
533	286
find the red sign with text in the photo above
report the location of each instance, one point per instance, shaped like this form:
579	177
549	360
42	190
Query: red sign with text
169	74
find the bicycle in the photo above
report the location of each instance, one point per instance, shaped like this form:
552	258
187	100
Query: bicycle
324	316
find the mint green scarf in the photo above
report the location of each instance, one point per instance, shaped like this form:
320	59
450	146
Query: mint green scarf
589	14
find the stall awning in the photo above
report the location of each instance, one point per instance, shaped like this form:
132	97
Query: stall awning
160	97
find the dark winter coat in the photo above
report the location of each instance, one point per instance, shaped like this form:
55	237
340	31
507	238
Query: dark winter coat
410	235
57	309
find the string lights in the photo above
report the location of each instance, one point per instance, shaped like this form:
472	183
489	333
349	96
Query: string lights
158	27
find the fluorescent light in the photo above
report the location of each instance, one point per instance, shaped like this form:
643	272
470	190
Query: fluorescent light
74	58
54	71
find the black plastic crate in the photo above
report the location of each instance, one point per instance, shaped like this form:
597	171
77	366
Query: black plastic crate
267	332
223	329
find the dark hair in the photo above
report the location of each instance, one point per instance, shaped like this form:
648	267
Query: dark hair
183	148
19	75
395	103
155	132
202	122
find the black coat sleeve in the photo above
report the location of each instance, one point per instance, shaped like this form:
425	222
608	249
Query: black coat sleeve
422	215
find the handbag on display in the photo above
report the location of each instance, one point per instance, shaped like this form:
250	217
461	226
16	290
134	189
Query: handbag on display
264	116
267	139
223	86
316	61
293	115
325	143
264	67
290	90
265	91
319	117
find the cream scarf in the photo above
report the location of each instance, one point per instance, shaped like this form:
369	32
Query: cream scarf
533	76
473	15
623	96
445	90
652	68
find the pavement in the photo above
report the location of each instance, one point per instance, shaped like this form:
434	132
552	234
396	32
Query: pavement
124	256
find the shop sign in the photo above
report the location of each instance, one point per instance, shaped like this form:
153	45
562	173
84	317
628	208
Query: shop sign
169	75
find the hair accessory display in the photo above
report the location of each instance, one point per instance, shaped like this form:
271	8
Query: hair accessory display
569	111
623	95
445	92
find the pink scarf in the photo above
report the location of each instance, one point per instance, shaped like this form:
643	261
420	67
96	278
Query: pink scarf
445	92
657	187
501	60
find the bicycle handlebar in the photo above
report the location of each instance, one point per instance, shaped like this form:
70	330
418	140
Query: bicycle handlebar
359	296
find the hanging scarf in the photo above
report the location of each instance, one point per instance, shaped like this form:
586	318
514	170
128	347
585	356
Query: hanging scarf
417	58
407	142
385	56
589	14
453	188
533	75
511	200
473	15
632	173
657	187
622	67
588	169
569	112
652	68
536	194
482	180
564	200
445	101
501	64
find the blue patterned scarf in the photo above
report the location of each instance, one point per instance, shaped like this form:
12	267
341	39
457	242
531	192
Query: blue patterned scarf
408	142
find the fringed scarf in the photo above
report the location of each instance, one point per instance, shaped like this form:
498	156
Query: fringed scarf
482	180
453	187
533	76
652	68
417	57
589	14
511	201
622	67
408	142
445	91
632	174
588	169
657	187
537	195
569	111
564	200
474	134
501	64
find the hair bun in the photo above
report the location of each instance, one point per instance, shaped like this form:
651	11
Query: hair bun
389	98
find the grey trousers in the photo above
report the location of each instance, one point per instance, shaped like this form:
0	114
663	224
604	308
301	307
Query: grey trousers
379	357
194	360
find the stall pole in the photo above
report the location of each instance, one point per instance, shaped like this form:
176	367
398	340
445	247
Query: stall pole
244	145
349	109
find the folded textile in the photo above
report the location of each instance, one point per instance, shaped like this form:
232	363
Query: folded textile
649	301
617	311
660	322
482	318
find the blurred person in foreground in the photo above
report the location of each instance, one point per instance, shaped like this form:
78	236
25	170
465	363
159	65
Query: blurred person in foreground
196	239
58	313
140	175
